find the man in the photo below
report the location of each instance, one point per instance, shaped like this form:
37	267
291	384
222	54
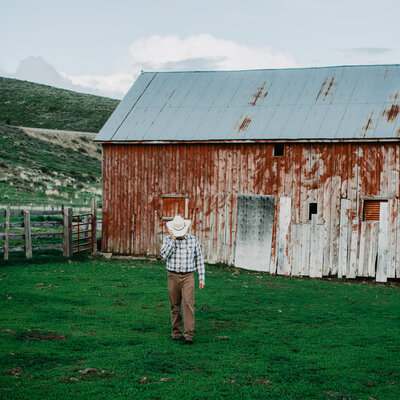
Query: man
183	254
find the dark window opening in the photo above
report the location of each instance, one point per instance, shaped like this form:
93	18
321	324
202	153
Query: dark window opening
279	150
312	210
372	209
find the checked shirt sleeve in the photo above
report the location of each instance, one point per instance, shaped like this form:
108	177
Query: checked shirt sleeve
199	261
167	247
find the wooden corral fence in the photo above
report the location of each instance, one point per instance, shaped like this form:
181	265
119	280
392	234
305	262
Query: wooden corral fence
29	230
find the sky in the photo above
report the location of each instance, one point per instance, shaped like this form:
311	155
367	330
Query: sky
100	47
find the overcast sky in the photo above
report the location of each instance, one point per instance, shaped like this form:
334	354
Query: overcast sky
100	46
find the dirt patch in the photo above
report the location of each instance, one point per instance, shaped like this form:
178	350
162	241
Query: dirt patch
272	283
48	336
88	374
67	139
13	371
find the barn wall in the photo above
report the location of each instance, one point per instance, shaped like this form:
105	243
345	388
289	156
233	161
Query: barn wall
210	176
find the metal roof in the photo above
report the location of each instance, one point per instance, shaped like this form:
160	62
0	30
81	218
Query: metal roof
350	102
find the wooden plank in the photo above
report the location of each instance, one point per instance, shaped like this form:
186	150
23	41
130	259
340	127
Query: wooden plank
316	250
28	237
7	234
305	240
362	265
14	248
133	239
283	255
46	212
383	244
353	264
326	220
296	249
274	247
335	224
48	246
67	233
373	228
397	229
343	237
393	216
18	213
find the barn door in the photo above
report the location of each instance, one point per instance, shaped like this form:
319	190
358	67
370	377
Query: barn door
173	204
255	223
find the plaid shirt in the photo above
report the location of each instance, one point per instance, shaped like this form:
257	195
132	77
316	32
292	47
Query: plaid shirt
183	255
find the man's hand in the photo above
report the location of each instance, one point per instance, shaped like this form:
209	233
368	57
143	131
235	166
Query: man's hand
201	285
171	234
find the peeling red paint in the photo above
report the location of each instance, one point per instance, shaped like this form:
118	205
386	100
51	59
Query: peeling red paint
258	94
391	113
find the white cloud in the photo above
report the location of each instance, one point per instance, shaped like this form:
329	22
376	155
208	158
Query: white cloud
159	53
171	53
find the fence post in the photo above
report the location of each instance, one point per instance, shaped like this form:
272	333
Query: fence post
67	232
7	233
94	225
28	236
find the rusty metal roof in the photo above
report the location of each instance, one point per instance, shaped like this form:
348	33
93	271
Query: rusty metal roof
350	102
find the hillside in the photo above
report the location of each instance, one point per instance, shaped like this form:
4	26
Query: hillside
45	167
57	162
39	106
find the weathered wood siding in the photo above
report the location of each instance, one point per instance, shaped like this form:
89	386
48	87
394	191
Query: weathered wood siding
138	178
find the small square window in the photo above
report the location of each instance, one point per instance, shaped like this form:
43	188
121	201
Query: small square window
279	150
312	210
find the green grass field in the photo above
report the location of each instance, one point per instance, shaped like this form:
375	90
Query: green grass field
99	329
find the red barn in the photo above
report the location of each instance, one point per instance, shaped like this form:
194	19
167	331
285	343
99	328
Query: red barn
292	171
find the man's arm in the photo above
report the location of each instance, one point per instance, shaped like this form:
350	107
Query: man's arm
167	247
199	262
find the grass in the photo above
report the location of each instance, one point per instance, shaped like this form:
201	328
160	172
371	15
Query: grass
40	106
29	167
95	328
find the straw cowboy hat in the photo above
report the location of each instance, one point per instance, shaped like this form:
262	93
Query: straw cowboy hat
178	226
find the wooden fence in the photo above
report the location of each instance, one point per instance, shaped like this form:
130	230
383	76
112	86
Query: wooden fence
19	226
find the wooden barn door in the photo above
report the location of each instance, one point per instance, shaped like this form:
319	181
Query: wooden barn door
254	231
173	204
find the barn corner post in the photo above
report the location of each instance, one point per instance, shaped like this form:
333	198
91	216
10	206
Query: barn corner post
67	232
94	225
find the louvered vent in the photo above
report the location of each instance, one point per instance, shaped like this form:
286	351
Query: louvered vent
371	209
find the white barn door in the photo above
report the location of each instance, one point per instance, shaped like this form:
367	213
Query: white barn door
255	224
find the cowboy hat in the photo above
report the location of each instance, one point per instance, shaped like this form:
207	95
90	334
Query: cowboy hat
178	226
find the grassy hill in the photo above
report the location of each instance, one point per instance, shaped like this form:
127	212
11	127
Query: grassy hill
30	104
35	170
38	166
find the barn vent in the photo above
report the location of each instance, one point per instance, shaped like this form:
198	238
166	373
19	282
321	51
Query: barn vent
371	209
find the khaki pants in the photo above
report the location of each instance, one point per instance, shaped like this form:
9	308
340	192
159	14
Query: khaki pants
181	295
